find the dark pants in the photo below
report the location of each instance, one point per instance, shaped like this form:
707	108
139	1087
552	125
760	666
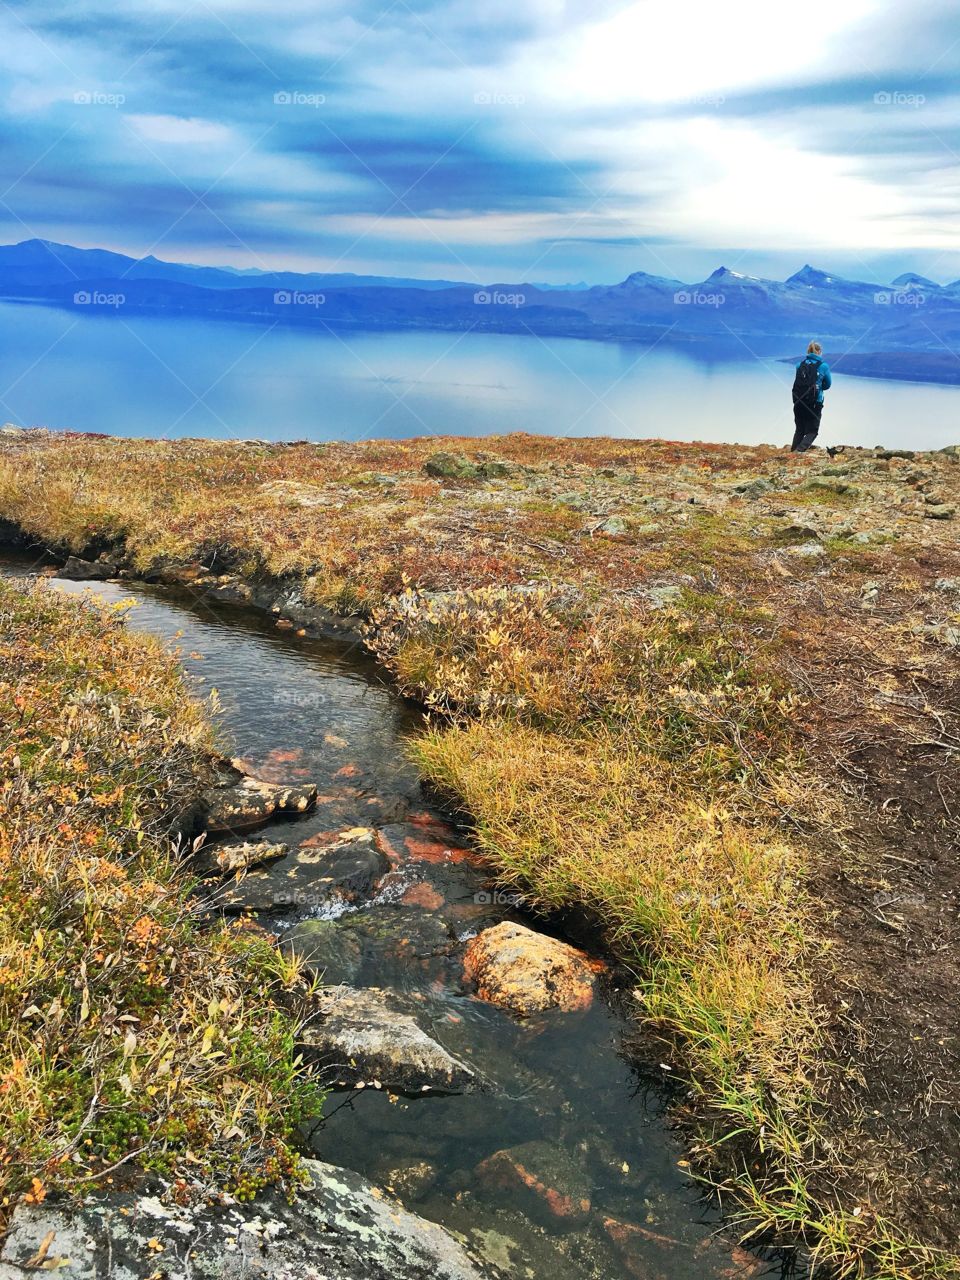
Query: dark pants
806	419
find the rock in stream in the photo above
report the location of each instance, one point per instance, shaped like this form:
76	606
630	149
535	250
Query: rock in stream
528	972
364	1035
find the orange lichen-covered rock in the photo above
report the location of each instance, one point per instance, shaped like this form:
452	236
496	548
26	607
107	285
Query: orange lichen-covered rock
527	972
543	1180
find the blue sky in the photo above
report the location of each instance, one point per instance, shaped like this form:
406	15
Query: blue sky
514	139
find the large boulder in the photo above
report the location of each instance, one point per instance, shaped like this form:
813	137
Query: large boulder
341	1227
364	1035
527	972
79	570
543	1181
450	466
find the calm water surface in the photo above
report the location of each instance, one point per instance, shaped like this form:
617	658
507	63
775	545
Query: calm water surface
142	376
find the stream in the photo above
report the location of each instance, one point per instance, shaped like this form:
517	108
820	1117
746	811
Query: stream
303	710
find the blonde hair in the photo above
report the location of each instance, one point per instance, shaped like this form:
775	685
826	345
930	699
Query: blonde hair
814	349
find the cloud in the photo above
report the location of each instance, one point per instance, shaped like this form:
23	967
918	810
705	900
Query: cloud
181	131
584	137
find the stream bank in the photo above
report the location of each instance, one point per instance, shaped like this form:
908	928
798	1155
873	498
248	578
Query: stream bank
555	1094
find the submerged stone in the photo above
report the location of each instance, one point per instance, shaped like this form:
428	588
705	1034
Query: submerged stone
402	932
434	843
642	1251
546	1182
326	950
412	1179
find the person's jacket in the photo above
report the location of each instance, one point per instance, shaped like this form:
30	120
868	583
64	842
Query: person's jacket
824	380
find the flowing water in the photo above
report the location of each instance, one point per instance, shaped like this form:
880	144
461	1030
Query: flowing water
298	709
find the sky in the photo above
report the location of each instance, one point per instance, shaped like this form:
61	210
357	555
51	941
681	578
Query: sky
509	140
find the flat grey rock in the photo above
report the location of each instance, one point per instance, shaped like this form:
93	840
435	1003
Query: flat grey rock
340	1228
225	859
364	1035
249	802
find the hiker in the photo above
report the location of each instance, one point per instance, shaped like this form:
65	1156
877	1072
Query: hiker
811	381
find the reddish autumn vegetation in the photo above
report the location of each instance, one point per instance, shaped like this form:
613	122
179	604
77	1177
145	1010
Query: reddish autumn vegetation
129	1035
708	693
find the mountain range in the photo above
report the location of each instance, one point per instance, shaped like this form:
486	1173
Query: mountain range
904	319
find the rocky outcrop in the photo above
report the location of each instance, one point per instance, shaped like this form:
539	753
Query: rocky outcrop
527	972
543	1180
239	805
341	1227
311	880
79	570
364	1035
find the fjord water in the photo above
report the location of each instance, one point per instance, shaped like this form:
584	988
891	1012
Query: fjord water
98	369
300	709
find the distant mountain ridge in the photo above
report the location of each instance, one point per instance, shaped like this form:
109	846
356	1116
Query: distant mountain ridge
40	261
910	314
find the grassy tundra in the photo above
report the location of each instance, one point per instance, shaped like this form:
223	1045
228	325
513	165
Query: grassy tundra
129	1035
708	693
